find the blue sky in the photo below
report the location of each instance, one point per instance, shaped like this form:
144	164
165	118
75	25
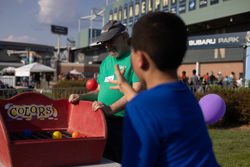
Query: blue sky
30	20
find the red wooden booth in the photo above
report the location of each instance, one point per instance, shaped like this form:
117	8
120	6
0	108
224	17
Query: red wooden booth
41	116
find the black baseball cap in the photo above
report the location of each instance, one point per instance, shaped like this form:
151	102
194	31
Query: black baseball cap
110	30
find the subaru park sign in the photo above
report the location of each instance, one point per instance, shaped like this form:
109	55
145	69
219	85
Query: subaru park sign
221	40
59	30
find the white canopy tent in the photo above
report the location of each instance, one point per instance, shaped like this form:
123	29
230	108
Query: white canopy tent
75	72
9	69
26	70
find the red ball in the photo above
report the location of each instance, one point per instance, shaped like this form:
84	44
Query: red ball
91	84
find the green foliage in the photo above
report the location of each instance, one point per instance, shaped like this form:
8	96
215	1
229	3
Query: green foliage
63	89
237	105
70	83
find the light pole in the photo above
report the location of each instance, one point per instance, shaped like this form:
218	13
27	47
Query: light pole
100	13
91	26
58	46
93	15
90	18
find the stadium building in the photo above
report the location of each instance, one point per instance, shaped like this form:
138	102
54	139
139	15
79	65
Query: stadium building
218	31
16	54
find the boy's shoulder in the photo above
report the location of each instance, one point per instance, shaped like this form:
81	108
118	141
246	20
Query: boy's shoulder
141	99
158	92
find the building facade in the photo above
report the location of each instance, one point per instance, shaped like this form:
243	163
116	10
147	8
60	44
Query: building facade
218	31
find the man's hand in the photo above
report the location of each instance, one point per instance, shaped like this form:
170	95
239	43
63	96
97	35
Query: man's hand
99	105
74	98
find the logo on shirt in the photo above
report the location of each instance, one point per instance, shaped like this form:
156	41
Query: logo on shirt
109	78
121	67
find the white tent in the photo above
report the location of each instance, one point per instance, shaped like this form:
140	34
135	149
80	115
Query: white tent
26	70
9	69
75	72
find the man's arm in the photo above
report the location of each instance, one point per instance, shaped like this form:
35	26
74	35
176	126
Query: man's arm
74	98
92	95
123	86
119	104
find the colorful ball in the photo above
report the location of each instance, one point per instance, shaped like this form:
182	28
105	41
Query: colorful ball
57	135
91	84
213	108
27	132
75	134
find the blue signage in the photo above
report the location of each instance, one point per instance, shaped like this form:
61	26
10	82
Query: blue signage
173	6
165	5
125	14
191	5
120	14
182	6
143	7
131	13
212	2
136	11
59	30
203	3
230	40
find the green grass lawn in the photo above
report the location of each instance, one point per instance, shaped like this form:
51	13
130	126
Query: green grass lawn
231	147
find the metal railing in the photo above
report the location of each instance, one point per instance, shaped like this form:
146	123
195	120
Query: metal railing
10	80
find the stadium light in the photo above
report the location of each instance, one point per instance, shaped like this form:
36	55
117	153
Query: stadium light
94	14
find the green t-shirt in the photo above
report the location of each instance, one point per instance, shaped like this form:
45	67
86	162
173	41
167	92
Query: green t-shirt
106	95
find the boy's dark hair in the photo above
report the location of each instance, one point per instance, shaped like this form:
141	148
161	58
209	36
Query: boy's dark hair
163	36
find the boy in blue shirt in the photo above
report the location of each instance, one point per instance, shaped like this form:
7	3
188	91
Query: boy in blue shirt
164	125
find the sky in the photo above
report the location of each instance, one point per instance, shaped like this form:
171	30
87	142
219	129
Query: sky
30	20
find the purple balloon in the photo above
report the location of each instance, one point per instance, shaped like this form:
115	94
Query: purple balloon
213	108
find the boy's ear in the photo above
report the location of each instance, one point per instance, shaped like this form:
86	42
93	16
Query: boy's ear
142	60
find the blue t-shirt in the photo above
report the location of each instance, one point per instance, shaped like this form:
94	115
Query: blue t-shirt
164	126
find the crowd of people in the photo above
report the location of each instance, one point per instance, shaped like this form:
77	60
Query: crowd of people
36	80
201	83
68	76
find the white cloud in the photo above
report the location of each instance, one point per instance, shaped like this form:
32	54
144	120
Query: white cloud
23	38
56	11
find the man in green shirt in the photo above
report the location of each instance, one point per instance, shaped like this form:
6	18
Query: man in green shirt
115	38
